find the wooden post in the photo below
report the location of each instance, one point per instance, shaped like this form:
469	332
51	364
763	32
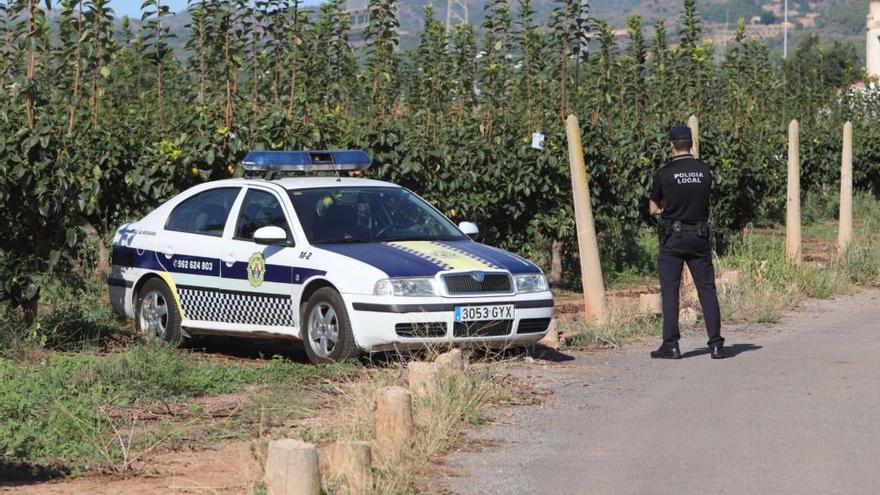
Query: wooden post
588	246
694	124
844	231
793	193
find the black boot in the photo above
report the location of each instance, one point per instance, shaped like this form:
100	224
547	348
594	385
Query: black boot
667	352
718	351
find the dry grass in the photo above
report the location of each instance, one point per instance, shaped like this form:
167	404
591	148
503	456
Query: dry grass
440	421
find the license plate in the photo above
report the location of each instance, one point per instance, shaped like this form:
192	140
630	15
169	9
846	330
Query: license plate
479	313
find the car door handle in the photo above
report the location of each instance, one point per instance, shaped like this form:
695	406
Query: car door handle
229	259
169	252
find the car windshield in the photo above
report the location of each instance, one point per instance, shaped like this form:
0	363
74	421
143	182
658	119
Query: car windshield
369	214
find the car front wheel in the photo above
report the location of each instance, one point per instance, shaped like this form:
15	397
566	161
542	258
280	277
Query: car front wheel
327	335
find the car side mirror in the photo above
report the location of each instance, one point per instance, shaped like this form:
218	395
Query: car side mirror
469	229
271	235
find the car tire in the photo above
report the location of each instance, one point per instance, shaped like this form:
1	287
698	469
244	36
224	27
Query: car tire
156	315
326	328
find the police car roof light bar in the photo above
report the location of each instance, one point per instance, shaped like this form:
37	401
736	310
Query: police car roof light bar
258	162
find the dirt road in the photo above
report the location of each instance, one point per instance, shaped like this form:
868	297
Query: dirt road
795	409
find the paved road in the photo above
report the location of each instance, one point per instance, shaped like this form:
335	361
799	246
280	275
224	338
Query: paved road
795	410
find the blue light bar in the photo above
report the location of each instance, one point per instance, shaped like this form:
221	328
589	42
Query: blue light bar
306	161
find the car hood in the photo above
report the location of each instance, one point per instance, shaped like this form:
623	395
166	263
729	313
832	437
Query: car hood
427	258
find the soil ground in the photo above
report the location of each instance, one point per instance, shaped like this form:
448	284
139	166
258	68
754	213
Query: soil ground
792	410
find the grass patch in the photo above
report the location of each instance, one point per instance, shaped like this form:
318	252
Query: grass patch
69	408
441	421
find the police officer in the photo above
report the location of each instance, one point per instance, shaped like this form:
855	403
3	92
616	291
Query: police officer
680	196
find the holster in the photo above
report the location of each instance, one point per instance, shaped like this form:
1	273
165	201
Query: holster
704	230
664	230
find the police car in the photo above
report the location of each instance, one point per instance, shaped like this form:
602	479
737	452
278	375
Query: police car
346	264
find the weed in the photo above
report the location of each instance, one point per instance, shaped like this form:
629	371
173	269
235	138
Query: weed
59	408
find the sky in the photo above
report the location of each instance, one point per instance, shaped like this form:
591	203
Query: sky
132	8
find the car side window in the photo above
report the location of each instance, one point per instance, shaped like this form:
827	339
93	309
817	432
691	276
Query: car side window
259	209
205	213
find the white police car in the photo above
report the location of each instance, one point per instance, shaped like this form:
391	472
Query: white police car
345	264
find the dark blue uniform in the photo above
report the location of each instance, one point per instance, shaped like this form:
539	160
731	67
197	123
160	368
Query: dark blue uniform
682	188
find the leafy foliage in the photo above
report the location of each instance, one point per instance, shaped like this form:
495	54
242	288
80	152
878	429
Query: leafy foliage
99	125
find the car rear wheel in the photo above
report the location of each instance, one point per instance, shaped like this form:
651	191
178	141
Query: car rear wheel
157	317
327	335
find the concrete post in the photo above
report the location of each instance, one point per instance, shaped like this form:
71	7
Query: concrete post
694	124
844	231
424	379
588	246
793	196
348	465
393	421
292	468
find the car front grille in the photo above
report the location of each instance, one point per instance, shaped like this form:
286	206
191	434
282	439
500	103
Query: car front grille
465	283
487	328
421	330
533	325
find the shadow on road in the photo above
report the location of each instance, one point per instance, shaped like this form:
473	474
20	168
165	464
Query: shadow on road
730	351
550	354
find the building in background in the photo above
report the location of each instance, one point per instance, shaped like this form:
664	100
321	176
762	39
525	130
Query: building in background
872	48
359	19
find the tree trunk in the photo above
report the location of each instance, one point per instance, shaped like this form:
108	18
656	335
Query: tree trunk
556	262
102	265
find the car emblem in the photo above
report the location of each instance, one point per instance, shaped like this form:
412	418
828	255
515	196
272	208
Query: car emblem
256	269
478	277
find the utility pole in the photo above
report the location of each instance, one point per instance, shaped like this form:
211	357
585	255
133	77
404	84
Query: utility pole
785	32
456	13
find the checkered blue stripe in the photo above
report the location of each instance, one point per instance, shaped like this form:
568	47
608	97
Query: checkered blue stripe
231	307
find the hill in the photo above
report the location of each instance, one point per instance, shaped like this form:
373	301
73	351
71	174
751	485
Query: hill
831	20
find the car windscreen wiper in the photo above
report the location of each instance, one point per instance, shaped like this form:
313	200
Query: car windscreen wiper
417	238
348	240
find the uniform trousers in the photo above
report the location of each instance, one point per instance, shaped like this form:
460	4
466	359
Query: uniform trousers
677	249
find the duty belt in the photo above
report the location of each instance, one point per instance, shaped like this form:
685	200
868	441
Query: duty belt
667	228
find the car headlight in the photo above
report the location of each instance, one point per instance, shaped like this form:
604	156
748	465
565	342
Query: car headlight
405	287
530	282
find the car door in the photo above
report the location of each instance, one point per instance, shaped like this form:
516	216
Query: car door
190	248
257	280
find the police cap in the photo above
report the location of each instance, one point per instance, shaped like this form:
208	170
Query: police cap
680	133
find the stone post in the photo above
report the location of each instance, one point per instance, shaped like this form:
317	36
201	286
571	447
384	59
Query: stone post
424	379
450	364
793	196
588	247
349	465
393	421
292	468
844	231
